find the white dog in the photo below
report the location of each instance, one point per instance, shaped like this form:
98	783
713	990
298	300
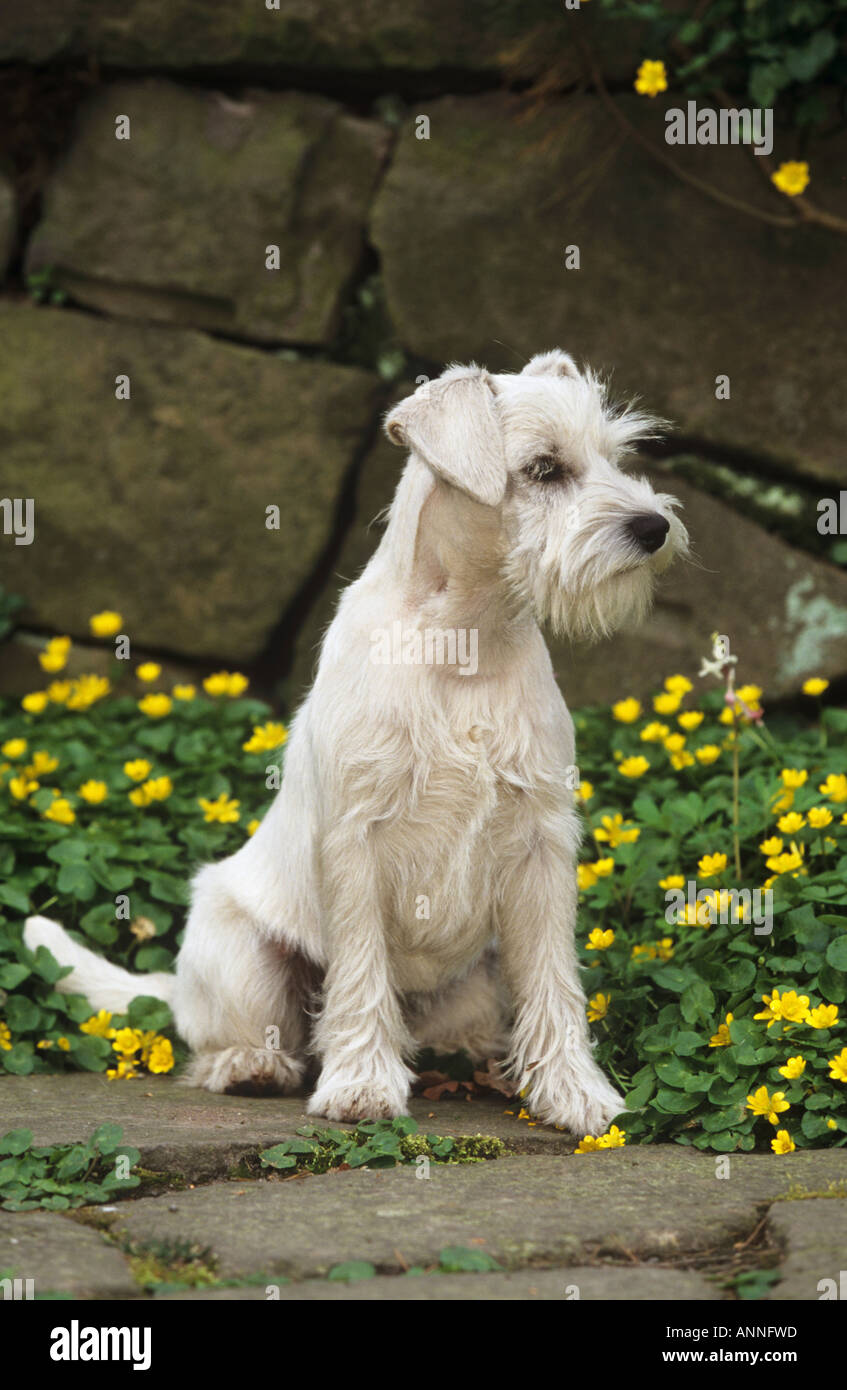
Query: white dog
426	814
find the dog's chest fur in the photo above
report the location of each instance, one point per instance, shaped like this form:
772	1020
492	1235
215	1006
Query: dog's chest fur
482	785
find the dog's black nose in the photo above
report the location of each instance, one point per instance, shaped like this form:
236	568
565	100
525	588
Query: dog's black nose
649	531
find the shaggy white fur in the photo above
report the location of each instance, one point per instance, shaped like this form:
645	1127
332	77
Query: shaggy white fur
418	863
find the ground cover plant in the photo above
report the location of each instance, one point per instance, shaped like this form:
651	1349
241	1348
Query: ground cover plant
720	1020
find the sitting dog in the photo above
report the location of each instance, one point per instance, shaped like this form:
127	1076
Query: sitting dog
418	866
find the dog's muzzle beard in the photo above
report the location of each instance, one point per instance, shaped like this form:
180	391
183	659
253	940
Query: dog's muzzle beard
589	591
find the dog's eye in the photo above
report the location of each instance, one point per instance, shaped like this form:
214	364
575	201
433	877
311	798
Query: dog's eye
544	469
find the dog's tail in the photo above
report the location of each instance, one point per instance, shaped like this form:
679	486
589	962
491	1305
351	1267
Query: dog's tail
104	985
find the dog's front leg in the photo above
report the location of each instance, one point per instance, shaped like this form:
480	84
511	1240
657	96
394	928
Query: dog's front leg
551	1048
360	1034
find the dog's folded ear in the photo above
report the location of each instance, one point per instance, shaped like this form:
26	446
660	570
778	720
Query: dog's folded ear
555	363
452	424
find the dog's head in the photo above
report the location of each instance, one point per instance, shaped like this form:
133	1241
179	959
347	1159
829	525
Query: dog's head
583	541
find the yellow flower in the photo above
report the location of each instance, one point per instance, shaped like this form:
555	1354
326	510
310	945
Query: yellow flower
816	685
124	1071
721	1038
681	760
155	706
21	787
627	711
711	864
783	1143
161	1058
750	694
5	1037
603	867
665	948
148	671
253	826
615	1139
225	683
61	812
667	703
791	822
837	1065
794	776
790	1006
127	1041
35	702
585	791
690	719
786	863
654	732
772	846
818	817
599	940
783	802
42	762
674	742
184	692
58	692
651	78
835	787
598	1007
87	690
266	737
98	1025
55	654
763	1104
832	1124
138	769
94	792
158	789
678	685
792	177
823	1016
672	881
633	767
794	1067
585	877
614	831
587	1145
709	753
105	624
45	1043
63	1044
14	748
221	809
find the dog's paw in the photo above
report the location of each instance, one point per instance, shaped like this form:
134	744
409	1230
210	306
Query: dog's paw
578	1110
368	1101
245	1071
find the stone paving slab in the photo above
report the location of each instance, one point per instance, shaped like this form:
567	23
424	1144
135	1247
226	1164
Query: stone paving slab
611	1283
814	1233
62	1255
180	1129
658	1202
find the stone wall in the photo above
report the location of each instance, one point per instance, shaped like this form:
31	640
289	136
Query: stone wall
255	387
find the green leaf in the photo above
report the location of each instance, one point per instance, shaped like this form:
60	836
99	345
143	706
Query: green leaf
351	1270
277	1157
76	880
19	1060
836	953
697	1003
149	1013
13	975
458	1259
16	1141
107	1138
